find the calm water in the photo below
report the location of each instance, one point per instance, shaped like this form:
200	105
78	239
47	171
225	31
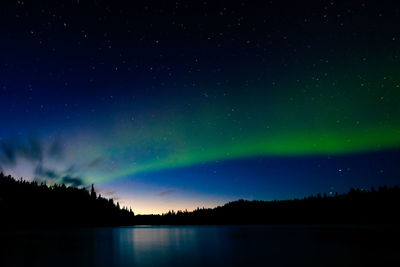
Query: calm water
201	246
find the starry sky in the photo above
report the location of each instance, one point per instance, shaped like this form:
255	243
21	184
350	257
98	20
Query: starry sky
183	104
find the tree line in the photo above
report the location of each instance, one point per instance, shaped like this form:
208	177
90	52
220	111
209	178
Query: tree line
373	206
34	204
37	204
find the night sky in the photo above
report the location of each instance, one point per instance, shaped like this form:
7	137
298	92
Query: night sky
183	104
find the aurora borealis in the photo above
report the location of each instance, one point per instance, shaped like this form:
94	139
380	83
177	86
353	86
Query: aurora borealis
178	105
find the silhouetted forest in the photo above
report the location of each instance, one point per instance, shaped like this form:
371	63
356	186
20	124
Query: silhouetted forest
372	206
33	204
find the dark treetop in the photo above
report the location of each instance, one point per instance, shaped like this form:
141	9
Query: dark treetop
33	204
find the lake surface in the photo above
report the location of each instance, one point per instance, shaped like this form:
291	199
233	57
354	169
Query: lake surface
201	246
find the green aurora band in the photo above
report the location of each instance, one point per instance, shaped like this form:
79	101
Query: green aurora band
315	115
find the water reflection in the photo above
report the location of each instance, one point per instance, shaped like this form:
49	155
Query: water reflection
200	246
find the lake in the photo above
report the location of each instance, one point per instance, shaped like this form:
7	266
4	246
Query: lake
201	246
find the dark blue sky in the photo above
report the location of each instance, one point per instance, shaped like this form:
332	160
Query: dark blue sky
178	104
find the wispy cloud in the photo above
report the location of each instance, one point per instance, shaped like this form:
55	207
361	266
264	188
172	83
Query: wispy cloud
39	155
95	163
12	150
42	172
167	192
74	181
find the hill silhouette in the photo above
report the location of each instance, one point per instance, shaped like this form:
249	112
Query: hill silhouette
32	204
355	207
